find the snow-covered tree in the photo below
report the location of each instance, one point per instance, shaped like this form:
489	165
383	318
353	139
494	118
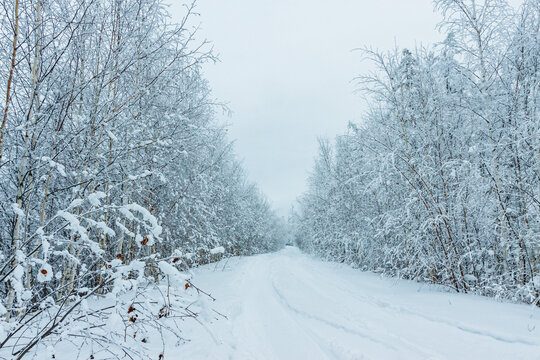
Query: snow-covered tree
441	182
111	162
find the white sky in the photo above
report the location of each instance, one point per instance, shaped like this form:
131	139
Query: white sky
286	69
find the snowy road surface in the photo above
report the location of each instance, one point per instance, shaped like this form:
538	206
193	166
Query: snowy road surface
287	305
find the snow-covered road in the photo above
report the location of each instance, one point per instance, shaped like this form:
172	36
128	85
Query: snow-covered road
287	305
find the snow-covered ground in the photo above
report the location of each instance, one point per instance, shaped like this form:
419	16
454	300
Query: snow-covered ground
287	305
290	306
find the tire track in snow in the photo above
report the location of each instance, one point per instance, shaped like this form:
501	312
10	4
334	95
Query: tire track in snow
262	321
383	332
285	303
392	309
316	274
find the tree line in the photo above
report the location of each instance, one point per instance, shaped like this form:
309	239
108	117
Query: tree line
441	181
110	154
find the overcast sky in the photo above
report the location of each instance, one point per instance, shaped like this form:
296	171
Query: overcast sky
286	69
